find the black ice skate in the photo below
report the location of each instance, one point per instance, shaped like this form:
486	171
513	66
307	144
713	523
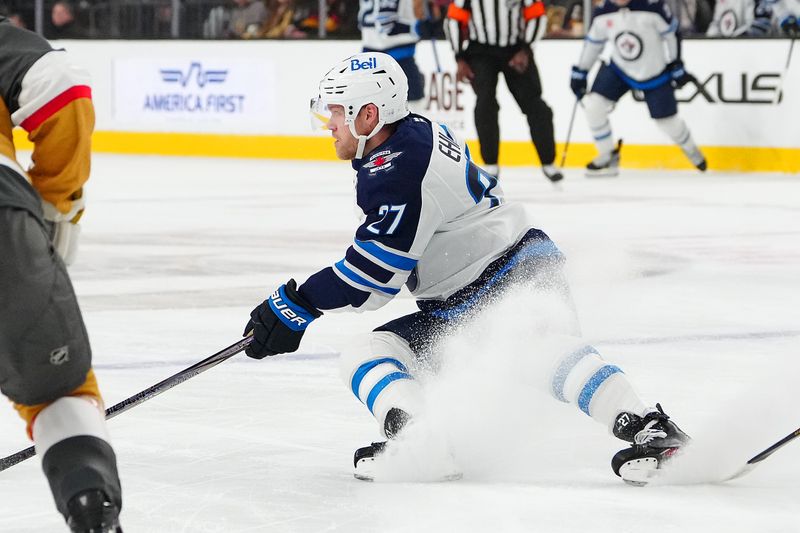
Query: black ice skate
364	458
605	166
654	440
92	512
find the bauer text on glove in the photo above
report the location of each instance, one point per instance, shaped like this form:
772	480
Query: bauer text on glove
279	322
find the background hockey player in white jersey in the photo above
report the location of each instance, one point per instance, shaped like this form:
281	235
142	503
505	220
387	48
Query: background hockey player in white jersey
390	26
732	18
439	224
645	56
785	17
779	18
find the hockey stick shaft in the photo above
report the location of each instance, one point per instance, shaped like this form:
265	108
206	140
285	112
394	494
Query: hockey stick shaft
569	133
753	462
774	448
147	394
435	55
779	92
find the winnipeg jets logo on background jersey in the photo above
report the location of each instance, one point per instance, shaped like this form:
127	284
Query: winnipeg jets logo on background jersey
728	23
381	161
629	46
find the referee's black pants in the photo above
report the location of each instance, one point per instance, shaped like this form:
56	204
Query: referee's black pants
487	62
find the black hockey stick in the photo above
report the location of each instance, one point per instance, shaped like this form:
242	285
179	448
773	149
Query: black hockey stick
147	394
753	462
569	133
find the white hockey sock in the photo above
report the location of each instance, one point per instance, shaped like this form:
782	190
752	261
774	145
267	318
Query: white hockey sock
383	383
678	131
597	108
67	417
599	389
382	380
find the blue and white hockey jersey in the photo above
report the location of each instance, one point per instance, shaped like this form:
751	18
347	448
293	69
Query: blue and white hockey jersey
783	10
643	38
732	18
388	26
433	221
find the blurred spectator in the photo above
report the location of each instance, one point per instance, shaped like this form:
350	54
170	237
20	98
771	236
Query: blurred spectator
565	20
16	20
280	20
732	18
216	24
63	24
246	19
307	16
13	17
693	16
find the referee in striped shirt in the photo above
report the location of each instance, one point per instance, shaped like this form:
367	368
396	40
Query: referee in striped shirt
494	36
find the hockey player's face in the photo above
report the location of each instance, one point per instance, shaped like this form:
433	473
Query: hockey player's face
345	145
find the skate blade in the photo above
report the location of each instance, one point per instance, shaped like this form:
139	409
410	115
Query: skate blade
365	472
456	476
603	173
639	472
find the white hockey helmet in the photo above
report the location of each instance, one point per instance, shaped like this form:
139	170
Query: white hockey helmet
366	78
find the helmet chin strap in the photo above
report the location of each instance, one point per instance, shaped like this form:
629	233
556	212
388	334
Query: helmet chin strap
362	139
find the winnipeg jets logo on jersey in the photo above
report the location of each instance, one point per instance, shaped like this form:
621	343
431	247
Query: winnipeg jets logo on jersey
728	23
629	46
642	36
381	161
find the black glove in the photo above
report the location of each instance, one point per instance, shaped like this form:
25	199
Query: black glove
678	74
790	27
577	82
279	322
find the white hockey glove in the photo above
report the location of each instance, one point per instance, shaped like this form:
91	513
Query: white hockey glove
64	229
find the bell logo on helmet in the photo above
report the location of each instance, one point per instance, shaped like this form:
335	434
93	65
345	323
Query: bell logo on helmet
370	63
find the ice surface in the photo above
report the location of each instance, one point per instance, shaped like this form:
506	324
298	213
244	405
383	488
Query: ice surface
689	282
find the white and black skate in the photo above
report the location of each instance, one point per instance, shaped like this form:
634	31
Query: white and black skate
696	157
419	460
365	468
92	512
654	439
364	459
552	173
605	165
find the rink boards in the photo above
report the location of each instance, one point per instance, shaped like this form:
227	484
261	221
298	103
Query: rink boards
250	99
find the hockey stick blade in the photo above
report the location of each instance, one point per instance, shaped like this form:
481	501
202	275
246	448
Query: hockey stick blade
756	459
147	394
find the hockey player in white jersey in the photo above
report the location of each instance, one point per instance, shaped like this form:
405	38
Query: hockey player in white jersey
786	17
732	18
440	225
391	27
645	56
